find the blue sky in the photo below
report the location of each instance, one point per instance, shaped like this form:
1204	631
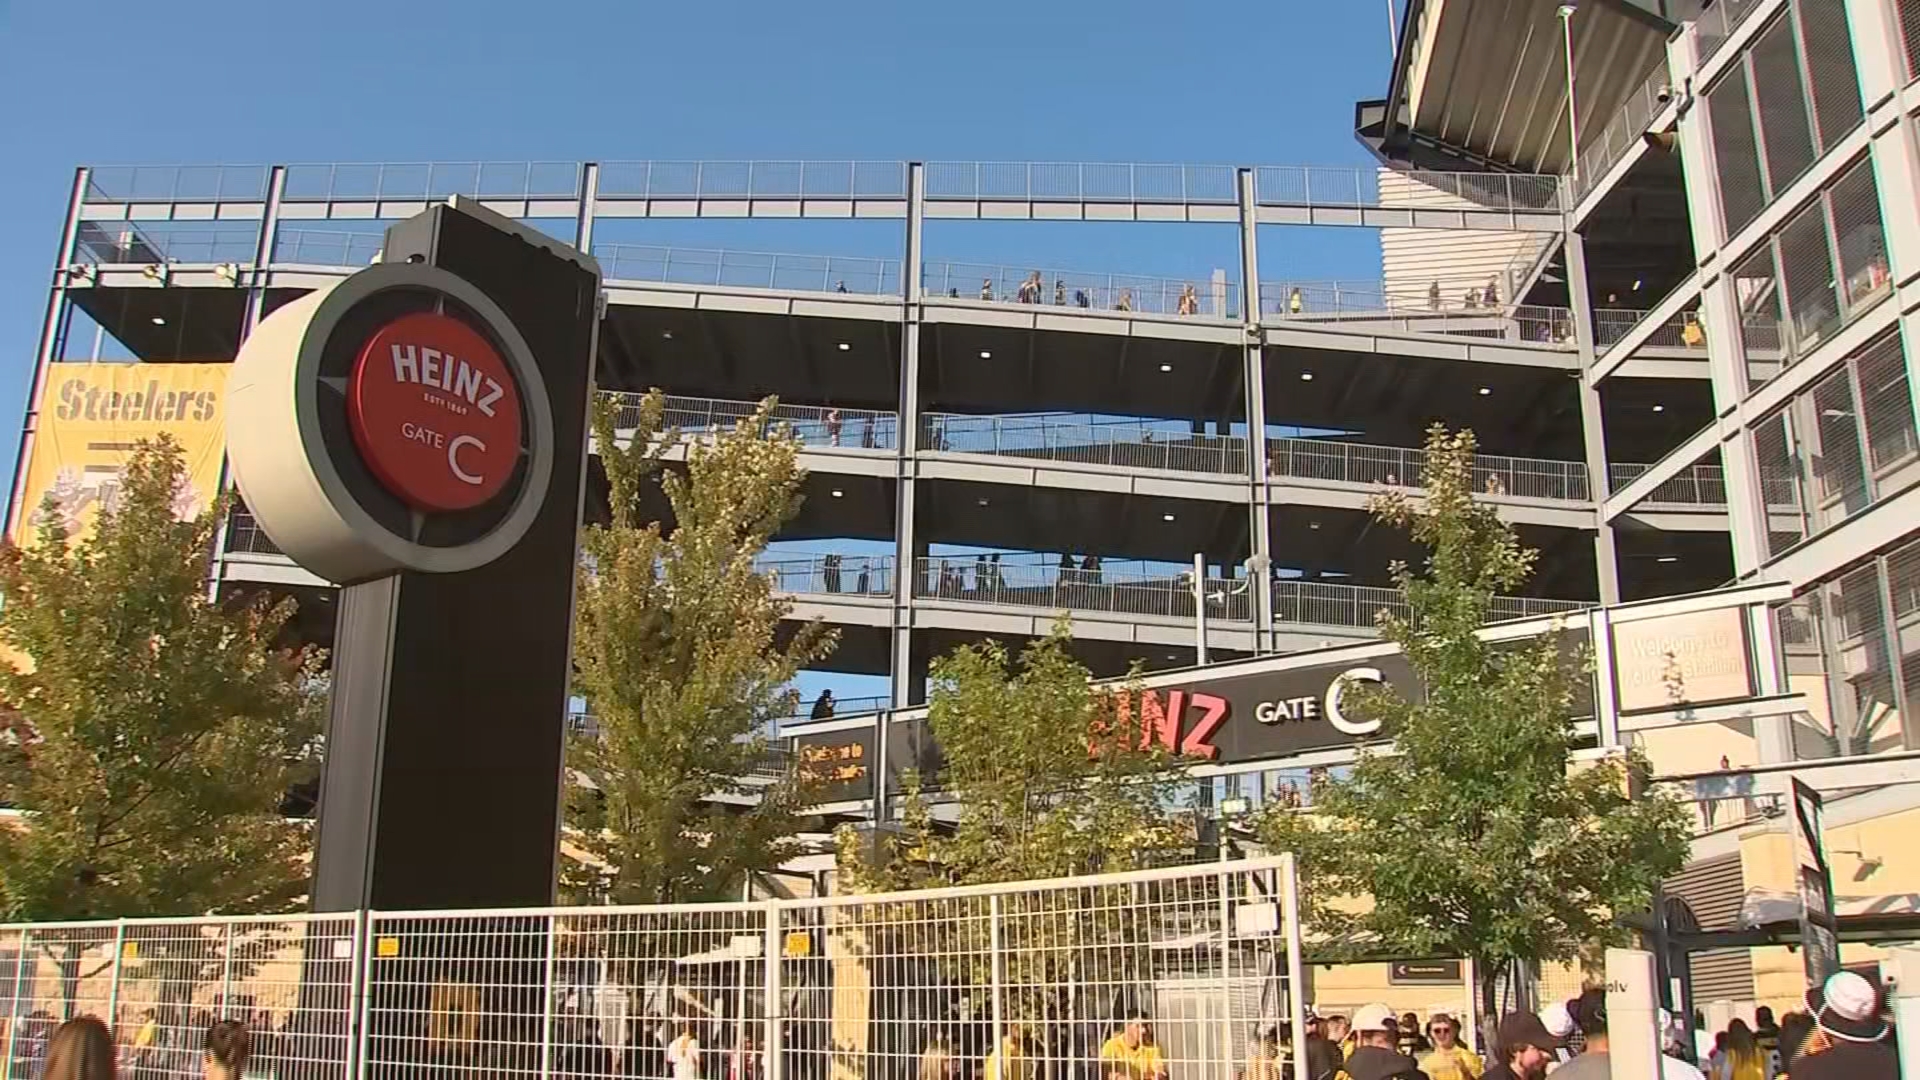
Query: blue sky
222	81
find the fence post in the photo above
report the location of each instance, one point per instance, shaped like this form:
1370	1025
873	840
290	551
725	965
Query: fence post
1226	950
13	1005
774	1009
362	1007
994	947
546	1005
1296	969
113	980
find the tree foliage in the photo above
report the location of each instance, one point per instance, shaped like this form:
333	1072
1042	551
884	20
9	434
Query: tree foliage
153	732
679	653
1478	835
1046	774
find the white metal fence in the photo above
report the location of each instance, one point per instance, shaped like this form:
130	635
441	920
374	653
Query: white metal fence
892	986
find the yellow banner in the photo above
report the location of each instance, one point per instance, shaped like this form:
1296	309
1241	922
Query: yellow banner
91	417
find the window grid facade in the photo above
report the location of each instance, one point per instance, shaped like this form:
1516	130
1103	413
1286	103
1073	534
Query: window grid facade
1839	447
1825	265
1852	643
1790	97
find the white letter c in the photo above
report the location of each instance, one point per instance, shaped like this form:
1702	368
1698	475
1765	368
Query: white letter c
1339	719
453	458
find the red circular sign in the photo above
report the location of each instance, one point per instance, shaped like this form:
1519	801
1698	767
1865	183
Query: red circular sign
435	412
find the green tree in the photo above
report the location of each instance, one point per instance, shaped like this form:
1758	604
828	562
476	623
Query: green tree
159	730
1046	774
1048	778
681	657
1478	835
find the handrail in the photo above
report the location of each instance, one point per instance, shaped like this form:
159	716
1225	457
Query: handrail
1395	466
1034	579
1680	330
1082	290
1624	129
860	275
1477	310
826	426
1138	444
1699	484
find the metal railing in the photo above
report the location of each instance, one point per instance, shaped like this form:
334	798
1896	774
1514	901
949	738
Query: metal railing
327	247
1132	444
1315	185
1723	802
245	535
1474	310
1395	466
1625	128
1701	484
750	269
177	183
1681	330
1082	290
815	425
432	181
147	243
829	574
753	180
159	983
1325	604
1033	579
1120	182
1717	23
787	988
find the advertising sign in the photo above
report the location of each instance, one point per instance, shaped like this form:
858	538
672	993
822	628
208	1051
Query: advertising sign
1424	973
1267	714
91	416
1819	929
840	762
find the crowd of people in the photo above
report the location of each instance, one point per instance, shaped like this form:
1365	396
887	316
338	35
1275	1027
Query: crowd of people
1843	1034
83	1049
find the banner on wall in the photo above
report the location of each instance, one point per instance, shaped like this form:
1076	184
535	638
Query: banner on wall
91	416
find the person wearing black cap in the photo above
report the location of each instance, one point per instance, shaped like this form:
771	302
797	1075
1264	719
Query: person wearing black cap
1848	1038
1524	1048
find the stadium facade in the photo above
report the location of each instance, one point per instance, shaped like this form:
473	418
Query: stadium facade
1660	257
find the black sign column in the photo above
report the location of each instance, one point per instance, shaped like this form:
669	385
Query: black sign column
417	433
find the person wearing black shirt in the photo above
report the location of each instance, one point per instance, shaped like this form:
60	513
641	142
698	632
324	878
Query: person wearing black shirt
1523	1048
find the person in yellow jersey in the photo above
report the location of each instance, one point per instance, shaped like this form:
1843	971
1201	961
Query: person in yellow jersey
1449	1059
1008	1060
1131	1054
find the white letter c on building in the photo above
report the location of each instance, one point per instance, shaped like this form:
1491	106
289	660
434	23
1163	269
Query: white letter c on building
1339	719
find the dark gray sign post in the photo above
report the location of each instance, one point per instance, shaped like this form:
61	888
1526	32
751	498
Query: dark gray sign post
1819	927
417	433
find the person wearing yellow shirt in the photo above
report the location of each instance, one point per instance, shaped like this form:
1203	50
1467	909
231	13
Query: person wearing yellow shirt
1008	1060
1449	1059
1131	1054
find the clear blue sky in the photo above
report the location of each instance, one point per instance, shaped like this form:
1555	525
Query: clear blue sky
224	81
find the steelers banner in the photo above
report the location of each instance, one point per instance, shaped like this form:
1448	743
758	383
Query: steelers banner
91	416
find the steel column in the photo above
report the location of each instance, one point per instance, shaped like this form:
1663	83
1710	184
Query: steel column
1592	416
50	338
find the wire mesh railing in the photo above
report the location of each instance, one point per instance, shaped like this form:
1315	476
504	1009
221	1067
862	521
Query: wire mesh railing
753	180
1315	185
327	247
1019	181
1701	484
1329	604
823	426
1033	579
1395	466
159	242
244	535
750	269
1725	801
1625	128
1082	290
177	183
431	181
1473	311
1681	330
830	574
159	983
1131	444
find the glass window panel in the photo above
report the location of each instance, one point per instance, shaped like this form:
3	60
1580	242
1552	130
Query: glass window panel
1806	268
1909	11
1756	289
1735	152
1828	49
1887	411
1780	483
1860	238
1866	716
1839	474
1903	578
1786	128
